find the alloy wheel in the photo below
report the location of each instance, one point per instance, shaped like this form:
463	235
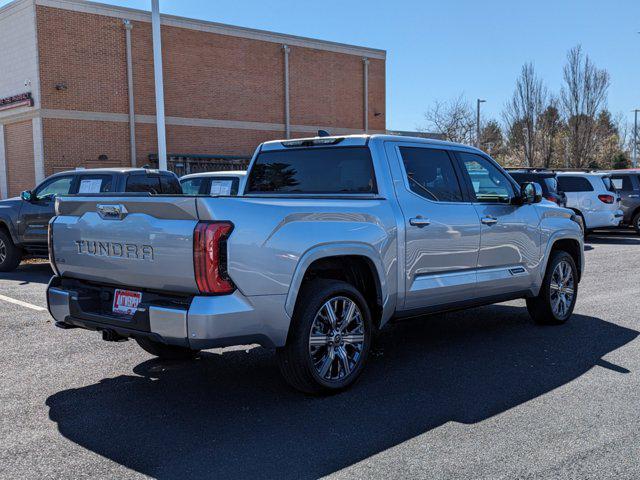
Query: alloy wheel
562	289
3	251
336	339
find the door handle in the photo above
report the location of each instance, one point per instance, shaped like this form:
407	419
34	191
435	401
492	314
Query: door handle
419	221
633	195
489	220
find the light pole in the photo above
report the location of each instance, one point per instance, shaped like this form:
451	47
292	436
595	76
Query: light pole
159	84
479	101
635	138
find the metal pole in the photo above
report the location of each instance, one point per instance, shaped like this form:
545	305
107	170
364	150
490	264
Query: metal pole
365	62
159	84
478	122
635	138
132	115
287	116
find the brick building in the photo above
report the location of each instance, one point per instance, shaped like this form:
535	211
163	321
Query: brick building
65	97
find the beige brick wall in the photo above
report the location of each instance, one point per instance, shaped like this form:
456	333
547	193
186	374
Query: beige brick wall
18	138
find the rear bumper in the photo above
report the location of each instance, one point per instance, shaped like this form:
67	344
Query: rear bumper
603	219
208	322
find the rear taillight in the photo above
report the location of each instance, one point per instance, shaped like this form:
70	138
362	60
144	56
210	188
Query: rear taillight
210	257
606	198
52	258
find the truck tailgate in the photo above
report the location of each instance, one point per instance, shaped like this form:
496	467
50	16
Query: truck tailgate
138	242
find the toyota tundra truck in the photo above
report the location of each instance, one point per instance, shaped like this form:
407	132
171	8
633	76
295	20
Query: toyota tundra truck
330	239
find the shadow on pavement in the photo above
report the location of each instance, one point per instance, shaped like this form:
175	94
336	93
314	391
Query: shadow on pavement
614	237
28	273
230	415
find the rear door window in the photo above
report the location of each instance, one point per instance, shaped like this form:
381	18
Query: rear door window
333	170
144	184
224	186
192	186
431	174
574	184
95	184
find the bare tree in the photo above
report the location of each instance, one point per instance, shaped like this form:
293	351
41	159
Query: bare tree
522	111
550	128
583	95
454	119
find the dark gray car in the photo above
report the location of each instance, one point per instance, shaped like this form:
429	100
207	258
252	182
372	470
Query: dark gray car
627	183
24	220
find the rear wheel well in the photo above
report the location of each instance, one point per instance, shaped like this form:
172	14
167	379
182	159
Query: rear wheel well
572	247
357	270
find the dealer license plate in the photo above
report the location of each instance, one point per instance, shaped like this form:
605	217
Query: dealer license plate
125	302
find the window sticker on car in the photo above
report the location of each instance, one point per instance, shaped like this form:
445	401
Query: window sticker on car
90	185
221	187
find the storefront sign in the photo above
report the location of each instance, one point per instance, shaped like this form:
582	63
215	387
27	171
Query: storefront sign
20	100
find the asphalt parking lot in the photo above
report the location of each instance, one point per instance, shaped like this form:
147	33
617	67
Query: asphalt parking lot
478	394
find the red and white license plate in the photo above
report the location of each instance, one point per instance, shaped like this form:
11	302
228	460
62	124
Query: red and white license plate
126	302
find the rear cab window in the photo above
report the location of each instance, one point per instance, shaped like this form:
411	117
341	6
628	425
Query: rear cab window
316	170
144	184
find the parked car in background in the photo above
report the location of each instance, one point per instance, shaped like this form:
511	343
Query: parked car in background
213	183
331	238
593	197
627	183
24	221
547	179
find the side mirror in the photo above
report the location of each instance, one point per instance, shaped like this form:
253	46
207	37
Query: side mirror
26	196
530	192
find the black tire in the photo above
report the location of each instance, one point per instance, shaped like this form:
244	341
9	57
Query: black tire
295	358
164	351
583	224
540	307
10	254
636	223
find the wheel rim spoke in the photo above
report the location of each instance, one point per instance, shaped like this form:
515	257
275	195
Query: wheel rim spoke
354	338
319	340
561	289
337	338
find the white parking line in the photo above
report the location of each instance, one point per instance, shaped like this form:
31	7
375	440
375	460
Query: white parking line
23	304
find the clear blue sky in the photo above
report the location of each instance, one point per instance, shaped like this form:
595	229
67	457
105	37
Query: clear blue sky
439	49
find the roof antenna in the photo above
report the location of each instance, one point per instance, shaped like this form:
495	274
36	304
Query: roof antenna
323	133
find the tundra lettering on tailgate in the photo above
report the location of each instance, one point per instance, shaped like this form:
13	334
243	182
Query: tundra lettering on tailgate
113	249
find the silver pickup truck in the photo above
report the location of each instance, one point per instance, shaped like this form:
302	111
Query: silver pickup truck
331	238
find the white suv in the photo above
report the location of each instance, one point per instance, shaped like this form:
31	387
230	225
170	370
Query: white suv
592	196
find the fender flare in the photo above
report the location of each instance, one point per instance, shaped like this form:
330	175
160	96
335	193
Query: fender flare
562	235
336	250
8	224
